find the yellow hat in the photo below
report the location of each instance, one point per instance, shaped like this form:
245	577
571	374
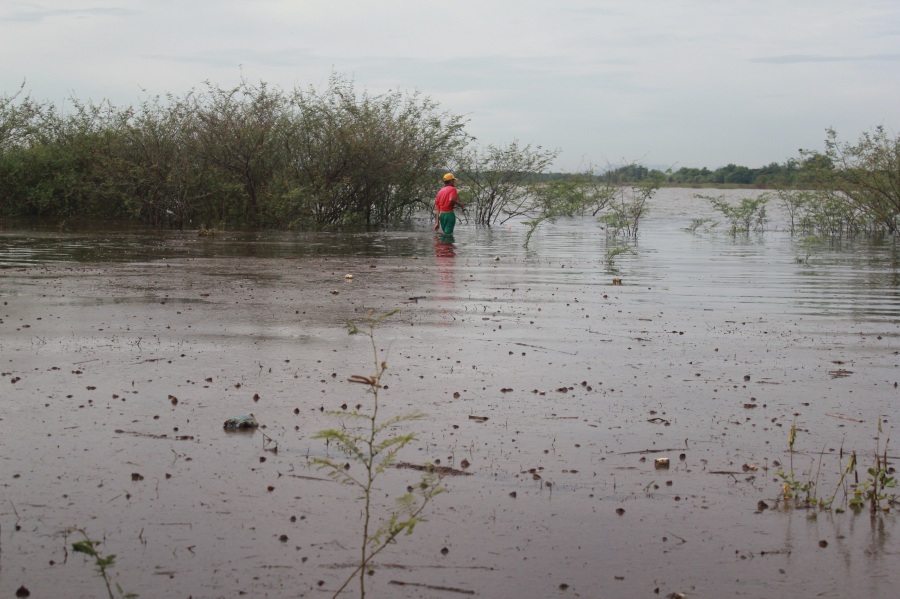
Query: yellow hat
449	177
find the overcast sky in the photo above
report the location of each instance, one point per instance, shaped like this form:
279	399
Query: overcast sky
661	82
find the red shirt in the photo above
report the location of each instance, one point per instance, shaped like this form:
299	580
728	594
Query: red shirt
445	198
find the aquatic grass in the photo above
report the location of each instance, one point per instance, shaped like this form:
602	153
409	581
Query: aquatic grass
875	491
851	467
793	489
804	492
366	446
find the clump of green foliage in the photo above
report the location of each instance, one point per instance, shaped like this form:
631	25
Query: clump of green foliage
620	207
794	490
864	175
824	213
496	181
627	206
748	215
701	224
204	232
102	562
365	439
251	154
569	196
875	491
612	253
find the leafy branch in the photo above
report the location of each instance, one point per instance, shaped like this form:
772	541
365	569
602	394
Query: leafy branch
367	446
103	563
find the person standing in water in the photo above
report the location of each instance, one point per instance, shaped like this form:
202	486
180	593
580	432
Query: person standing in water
447	199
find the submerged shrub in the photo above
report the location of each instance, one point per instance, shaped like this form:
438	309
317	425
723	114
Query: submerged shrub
245	155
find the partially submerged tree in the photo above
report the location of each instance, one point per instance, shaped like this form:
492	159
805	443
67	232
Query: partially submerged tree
569	196
362	437
246	155
236	132
357	157
161	178
626	206
497	180
824	212
747	215
866	173
60	164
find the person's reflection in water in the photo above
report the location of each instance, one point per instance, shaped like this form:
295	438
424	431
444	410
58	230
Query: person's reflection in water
443	246
445	258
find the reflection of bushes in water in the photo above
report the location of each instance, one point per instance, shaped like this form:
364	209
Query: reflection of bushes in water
365	446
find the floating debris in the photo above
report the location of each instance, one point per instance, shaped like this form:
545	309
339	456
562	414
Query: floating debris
440	470
245	421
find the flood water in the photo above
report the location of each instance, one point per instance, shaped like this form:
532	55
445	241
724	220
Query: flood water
557	388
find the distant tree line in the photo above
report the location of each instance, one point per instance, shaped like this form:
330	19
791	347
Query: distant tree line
789	174
848	188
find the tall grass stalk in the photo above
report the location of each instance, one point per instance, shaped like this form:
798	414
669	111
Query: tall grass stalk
874	490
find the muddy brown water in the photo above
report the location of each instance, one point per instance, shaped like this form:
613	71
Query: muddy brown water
706	354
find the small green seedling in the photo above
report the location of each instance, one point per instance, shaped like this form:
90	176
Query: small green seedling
103	563
366	445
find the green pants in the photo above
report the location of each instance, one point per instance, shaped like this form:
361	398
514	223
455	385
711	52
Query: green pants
448	222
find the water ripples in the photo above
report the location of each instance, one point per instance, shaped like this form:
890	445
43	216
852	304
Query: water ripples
750	274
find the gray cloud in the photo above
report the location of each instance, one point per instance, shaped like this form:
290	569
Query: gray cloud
798	58
233	57
38	15
655	79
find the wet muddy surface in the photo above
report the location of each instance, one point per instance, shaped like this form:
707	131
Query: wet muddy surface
553	390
